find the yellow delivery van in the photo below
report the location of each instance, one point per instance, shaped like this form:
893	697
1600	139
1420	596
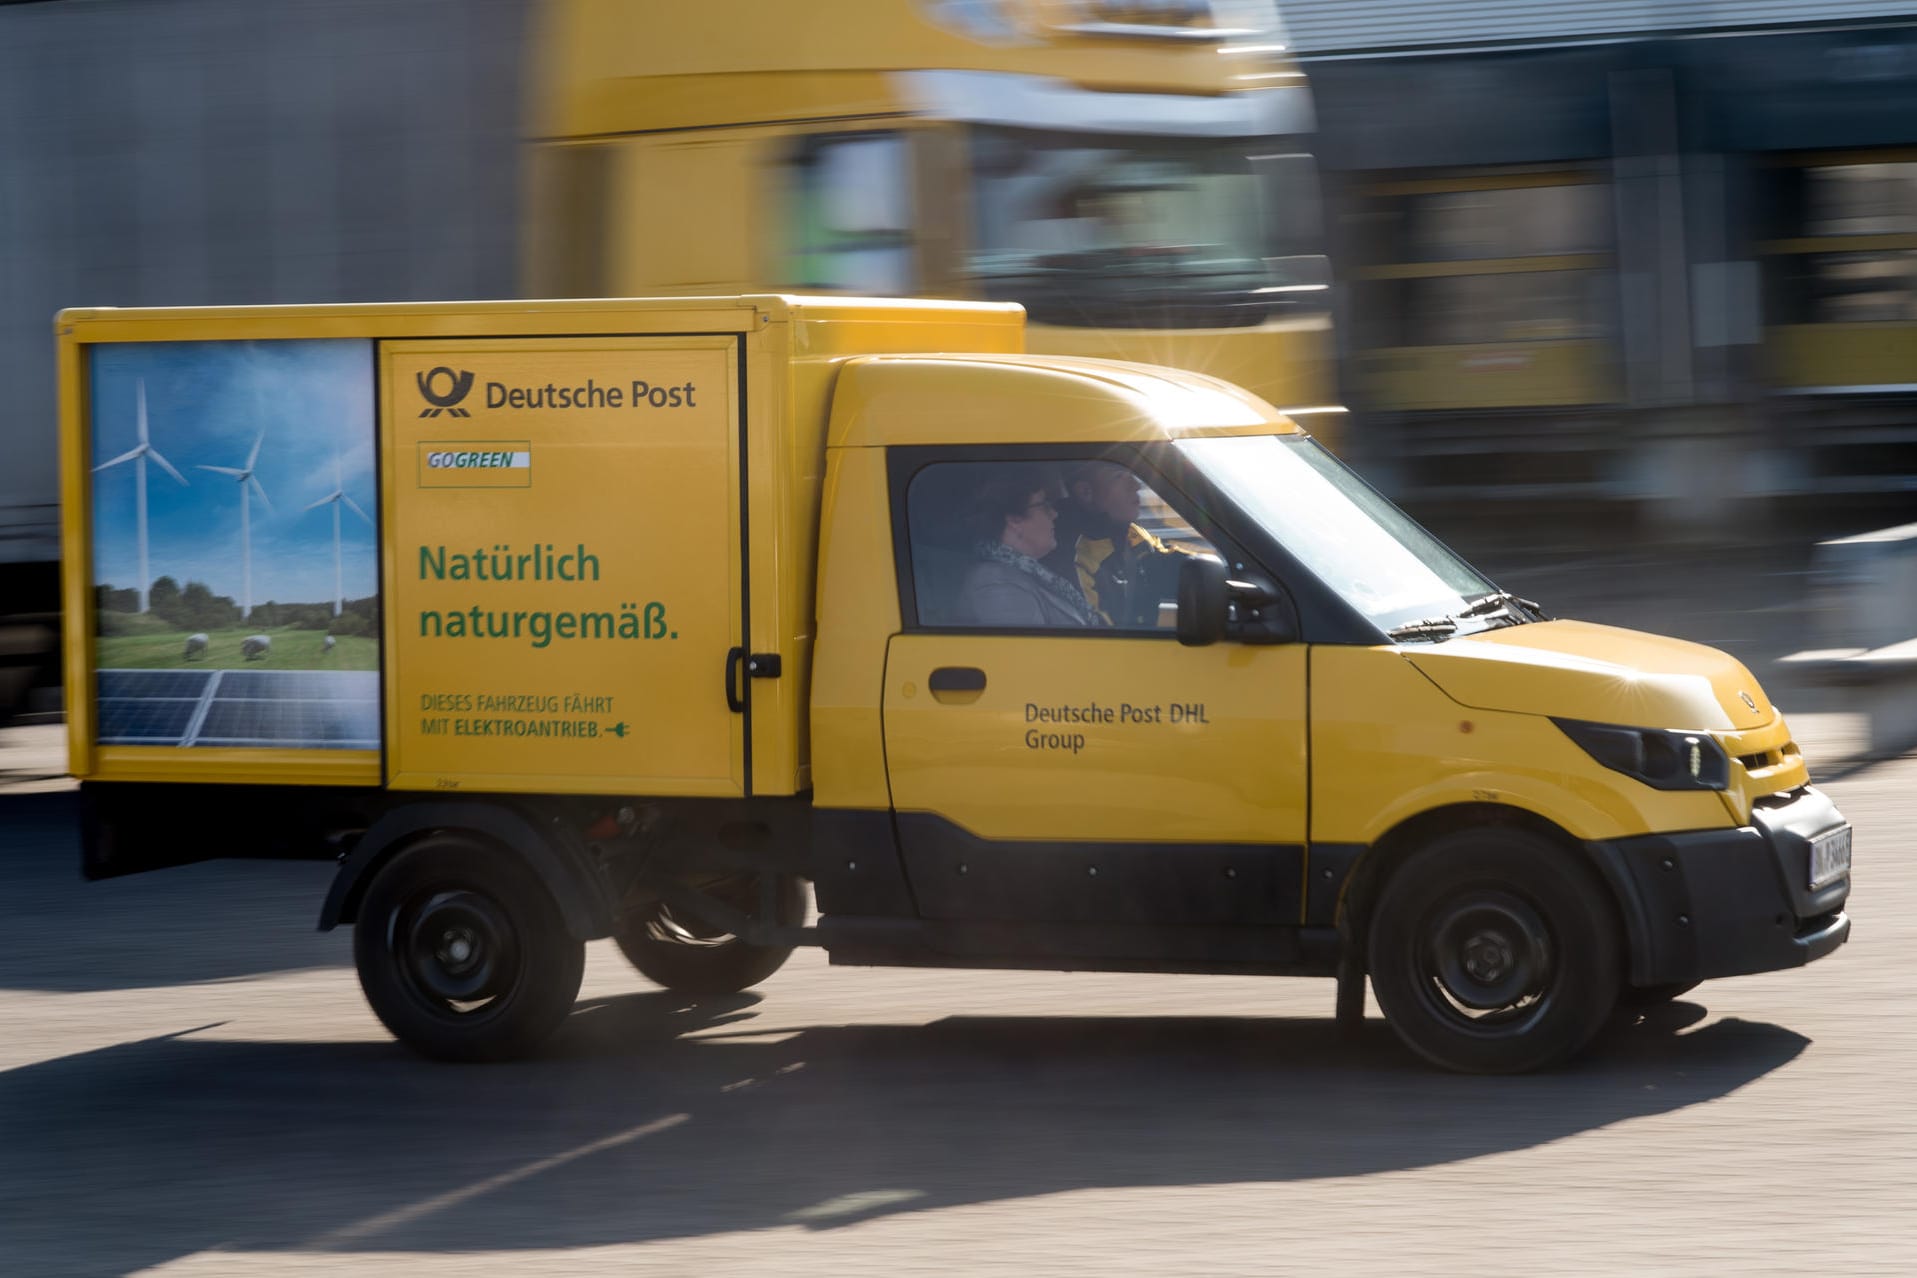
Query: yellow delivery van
555	621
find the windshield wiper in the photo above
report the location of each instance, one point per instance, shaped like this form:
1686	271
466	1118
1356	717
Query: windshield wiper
1496	600
1440	627
1427	628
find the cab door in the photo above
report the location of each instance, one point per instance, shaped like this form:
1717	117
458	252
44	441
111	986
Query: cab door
1085	774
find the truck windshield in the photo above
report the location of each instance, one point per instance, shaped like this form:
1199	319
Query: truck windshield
1110	231
1357	542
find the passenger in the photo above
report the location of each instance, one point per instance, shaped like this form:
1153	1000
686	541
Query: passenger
1122	570
1010	520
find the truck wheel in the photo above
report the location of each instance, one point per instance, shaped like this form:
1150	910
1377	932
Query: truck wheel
1654	995
463	953
1493	952
694	958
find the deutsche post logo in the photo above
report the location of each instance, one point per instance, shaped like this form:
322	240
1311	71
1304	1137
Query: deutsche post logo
458	386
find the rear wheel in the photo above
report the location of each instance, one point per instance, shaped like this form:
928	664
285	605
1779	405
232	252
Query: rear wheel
462	952
1493	951
693	957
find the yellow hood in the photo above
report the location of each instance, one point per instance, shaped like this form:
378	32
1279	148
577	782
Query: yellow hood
1576	670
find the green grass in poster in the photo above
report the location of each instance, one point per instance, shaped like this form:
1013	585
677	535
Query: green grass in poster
292	649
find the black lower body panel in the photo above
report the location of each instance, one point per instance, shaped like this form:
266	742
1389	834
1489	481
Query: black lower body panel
1730	902
129	827
1079	947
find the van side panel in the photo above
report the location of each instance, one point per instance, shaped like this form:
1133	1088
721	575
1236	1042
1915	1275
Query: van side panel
76	560
786	462
1387	744
563	550
793	367
858	614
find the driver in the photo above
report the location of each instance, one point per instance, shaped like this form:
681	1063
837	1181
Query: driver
1122	569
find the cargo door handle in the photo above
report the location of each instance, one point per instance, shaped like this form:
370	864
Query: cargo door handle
735	702
758	665
956	685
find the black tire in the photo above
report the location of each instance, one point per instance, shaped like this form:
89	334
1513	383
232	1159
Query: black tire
462	952
1494	951
690	957
1654	995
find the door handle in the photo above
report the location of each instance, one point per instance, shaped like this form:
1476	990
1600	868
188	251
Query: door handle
757	665
957	679
956	684
735	701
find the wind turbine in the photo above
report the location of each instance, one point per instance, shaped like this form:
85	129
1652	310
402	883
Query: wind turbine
138	457
243	475
334	499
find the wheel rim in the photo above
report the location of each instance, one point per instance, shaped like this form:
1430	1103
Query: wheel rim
1486	963
666	927
458	952
741	892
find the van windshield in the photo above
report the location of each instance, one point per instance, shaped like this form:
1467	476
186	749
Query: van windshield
1357	542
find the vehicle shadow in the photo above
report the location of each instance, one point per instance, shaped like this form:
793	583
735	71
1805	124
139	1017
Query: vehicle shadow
214	921
659	1117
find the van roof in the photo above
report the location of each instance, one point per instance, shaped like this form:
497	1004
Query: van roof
1010	399
522	317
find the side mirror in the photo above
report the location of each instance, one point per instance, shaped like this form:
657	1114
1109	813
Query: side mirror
1203	600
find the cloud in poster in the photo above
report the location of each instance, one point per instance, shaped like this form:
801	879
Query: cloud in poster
207	402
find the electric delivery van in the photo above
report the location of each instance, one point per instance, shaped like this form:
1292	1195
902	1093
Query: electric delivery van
555	621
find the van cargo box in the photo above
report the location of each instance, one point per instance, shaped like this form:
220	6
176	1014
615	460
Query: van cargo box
497	547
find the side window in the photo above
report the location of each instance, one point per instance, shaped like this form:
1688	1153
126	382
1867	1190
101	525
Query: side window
1072	544
850	229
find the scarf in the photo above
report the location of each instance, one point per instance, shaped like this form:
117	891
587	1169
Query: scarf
1066	594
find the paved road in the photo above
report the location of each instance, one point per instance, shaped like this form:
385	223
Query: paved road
190	1084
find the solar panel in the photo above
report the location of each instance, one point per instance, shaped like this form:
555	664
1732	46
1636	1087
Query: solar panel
316	685
145	721
154	683
323	709
288	722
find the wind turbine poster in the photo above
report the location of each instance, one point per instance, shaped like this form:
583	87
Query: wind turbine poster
235	556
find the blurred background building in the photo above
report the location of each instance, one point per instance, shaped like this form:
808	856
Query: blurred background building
1626	249
1653	255
202	152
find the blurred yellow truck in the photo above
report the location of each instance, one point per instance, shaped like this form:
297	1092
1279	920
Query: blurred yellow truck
557	621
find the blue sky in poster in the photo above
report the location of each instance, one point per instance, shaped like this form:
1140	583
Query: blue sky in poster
206	404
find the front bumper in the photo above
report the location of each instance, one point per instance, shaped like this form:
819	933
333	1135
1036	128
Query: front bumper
1716	903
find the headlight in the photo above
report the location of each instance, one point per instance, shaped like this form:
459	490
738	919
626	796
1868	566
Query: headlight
1661	759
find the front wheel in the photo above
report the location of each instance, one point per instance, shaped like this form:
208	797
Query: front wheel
462	951
692	957
1492	951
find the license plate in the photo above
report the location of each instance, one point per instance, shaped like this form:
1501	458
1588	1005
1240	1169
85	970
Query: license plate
1830	857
